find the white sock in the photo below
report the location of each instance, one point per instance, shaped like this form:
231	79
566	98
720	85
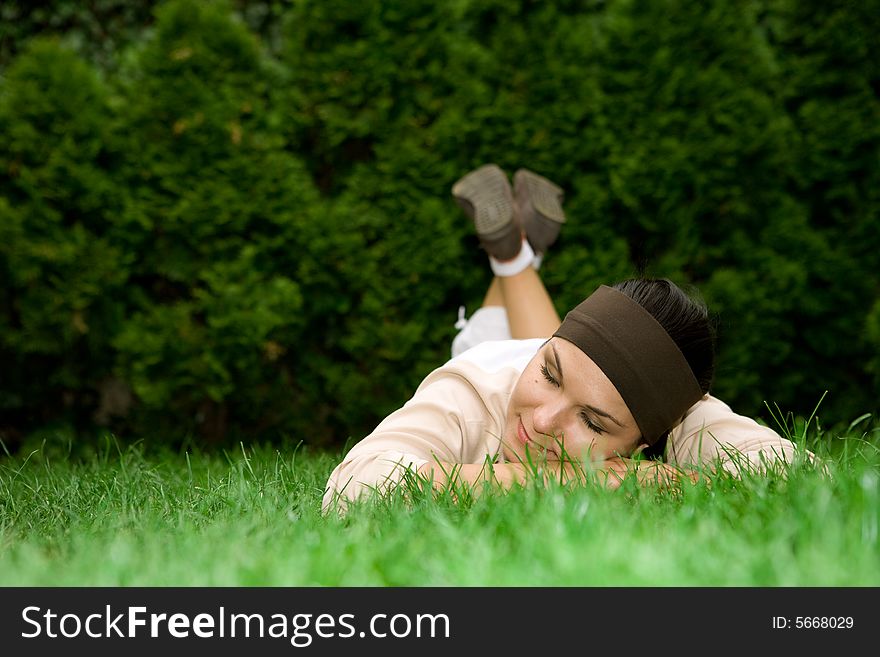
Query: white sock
536	263
521	262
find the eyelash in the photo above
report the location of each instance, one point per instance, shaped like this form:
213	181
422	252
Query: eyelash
592	426
549	376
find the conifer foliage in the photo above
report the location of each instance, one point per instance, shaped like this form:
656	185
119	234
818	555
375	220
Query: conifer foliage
232	219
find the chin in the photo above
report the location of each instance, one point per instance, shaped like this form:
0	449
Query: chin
507	449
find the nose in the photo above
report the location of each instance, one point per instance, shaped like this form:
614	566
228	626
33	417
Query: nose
547	418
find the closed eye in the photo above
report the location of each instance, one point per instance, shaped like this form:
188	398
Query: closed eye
592	426
549	376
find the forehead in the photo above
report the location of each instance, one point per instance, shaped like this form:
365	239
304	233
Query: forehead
584	380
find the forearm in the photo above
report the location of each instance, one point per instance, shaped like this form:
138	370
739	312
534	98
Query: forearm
614	471
442	475
610	473
501	475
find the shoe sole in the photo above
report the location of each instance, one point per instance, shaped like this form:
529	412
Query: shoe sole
488	193
544	195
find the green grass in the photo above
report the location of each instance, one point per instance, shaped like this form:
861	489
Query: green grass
121	516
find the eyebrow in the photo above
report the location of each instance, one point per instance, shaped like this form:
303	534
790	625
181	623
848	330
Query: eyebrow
556	358
597	411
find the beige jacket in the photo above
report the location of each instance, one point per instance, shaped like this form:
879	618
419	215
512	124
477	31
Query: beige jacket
457	415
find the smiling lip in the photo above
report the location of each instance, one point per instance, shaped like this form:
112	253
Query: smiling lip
524	438
522	435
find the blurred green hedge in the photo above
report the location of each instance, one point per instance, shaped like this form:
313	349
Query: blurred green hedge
234	220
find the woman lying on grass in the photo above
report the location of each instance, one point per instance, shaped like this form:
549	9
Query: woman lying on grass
622	381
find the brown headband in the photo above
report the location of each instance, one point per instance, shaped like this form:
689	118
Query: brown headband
636	353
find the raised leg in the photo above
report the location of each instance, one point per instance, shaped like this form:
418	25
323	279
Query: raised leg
502	217
493	294
530	310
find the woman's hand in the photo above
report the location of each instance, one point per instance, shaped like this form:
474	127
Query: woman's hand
442	474
502	475
610	473
613	471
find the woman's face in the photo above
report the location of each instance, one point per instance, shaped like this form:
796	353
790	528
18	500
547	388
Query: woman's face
563	401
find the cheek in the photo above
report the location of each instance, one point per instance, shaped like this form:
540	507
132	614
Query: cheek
527	393
581	444
606	448
584	444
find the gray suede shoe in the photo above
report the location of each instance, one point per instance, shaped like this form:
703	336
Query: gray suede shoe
485	196
539	208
